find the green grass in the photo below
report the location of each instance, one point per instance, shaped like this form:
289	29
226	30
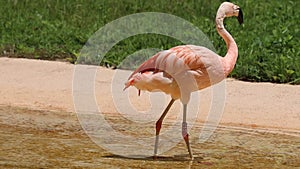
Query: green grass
269	40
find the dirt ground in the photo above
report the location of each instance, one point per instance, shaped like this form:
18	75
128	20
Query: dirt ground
260	126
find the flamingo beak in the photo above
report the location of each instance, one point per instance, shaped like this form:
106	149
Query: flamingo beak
240	16
128	84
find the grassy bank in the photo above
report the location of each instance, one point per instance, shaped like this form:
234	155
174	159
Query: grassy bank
269	41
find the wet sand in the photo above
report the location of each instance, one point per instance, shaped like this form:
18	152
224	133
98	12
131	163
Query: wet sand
53	139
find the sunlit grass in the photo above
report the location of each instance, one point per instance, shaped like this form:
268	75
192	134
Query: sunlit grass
269	40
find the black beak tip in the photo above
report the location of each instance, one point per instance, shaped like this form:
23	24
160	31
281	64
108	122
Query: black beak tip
240	16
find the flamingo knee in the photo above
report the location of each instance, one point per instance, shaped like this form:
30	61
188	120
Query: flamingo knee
158	126
184	132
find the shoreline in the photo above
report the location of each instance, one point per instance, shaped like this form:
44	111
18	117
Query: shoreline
36	84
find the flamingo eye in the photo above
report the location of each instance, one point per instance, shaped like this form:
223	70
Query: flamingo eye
138	78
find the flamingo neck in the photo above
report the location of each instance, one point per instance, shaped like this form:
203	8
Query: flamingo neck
232	50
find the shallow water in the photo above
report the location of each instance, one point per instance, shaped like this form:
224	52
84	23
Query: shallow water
49	139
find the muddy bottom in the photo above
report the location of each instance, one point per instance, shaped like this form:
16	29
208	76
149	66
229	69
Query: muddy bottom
51	139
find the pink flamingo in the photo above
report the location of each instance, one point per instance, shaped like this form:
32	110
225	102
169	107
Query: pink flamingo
187	68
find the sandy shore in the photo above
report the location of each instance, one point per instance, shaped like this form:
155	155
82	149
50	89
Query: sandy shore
47	85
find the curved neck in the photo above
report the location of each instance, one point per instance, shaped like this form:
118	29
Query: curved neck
232	50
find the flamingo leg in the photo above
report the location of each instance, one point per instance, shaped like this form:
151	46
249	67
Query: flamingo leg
185	134
158	126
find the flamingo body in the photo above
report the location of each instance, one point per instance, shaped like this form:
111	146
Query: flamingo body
156	74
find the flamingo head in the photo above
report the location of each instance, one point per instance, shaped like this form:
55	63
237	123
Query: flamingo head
133	80
228	9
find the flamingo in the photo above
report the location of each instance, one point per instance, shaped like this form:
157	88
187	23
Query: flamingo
187	68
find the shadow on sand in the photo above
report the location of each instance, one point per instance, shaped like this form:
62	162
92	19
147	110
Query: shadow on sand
157	158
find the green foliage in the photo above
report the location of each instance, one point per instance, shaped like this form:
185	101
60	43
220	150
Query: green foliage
269	40
269	43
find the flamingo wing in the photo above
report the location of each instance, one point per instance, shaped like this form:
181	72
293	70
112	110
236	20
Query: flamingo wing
174	60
